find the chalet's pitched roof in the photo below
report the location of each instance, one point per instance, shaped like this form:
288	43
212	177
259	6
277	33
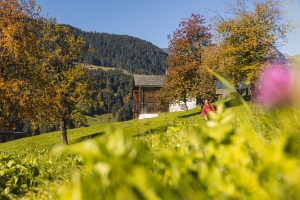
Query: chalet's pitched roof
149	80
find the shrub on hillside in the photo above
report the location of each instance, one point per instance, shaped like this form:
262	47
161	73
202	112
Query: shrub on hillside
16	177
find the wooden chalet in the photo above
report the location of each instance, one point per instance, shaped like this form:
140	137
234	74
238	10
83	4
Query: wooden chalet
145	101
6	133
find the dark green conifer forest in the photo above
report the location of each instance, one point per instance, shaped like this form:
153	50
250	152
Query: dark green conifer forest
122	51
114	86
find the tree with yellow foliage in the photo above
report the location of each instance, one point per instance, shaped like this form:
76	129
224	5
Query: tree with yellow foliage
247	40
66	84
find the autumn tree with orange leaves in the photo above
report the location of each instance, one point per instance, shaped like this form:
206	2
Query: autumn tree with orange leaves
39	81
17	53
187	76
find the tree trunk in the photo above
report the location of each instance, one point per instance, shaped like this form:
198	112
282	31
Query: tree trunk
186	107
63	130
185	100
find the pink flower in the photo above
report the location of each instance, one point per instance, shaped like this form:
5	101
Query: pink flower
273	87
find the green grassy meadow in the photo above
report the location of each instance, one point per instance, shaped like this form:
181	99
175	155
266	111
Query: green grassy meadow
39	149
97	125
244	152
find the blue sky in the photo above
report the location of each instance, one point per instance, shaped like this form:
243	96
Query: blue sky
150	20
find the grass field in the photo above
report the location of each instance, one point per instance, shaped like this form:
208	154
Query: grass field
39	149
100	119
98	125
173	155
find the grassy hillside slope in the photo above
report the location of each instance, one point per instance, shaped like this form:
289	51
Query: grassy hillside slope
132	127
56	170
243	152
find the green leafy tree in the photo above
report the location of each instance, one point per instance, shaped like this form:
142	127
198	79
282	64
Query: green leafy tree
186	75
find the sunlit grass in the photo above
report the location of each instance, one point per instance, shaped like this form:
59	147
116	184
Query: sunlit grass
155	134
98	125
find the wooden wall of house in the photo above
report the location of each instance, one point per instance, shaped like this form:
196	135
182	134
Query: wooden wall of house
136	103
146	101
6	133
150	102
6	129
5	137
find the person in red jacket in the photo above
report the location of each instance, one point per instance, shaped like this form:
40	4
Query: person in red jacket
207	107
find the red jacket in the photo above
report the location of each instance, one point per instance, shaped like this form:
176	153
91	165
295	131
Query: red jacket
206	108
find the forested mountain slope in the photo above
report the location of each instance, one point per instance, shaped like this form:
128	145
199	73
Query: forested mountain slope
130	53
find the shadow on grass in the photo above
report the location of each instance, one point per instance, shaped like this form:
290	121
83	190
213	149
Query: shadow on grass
87	137
190	115
152	131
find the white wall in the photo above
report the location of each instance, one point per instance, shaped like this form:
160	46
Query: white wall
173	108
181	106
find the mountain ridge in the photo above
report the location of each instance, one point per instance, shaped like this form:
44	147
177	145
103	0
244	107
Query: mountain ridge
122	51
